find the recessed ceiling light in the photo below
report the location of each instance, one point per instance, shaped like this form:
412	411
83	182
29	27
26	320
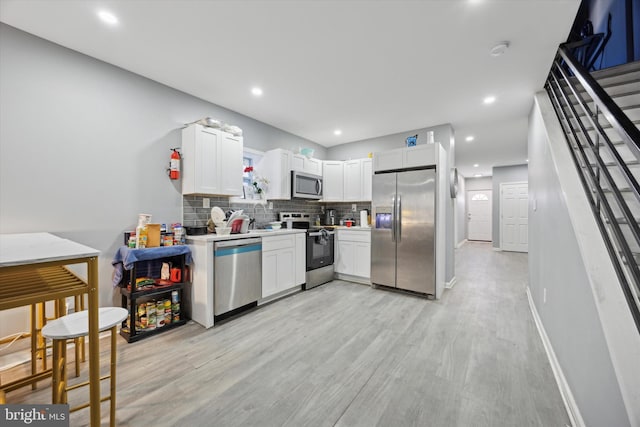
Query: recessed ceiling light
108	17
499	49
478	175
469	138
527	160
475	165
489	100
337	132
256	91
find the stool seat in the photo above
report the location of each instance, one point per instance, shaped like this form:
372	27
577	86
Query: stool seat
77	324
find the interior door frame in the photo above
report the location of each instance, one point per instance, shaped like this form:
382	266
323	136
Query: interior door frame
502	184
467	208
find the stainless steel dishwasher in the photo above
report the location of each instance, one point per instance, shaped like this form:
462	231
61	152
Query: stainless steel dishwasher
237	270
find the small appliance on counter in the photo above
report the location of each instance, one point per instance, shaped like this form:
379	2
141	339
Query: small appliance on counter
330	217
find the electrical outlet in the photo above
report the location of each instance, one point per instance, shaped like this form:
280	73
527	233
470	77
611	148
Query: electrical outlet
544	295
206	203
270	205
354	207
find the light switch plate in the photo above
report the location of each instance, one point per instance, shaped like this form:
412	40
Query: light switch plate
206	203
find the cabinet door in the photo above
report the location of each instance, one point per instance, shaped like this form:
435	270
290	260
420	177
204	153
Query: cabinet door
269	273
362	259
297	162
352	180
313	166
344	257
275	167
301	259
386	160
420	155
286	269
207	146
367	176
230	165
333	181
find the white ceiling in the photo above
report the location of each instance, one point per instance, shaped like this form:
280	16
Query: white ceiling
370	68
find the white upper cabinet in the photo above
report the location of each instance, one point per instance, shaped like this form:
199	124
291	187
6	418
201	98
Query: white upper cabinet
352	180
420	155
357	180
211	162
333	180
304	164
275	166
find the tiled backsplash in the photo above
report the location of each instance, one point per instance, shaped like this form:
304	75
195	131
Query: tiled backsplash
195	215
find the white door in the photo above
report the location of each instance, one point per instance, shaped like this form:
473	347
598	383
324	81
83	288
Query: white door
514	216
479	215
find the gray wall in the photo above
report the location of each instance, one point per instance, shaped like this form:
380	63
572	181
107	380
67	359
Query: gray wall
502	174
484	183
84	145
443	134
569	315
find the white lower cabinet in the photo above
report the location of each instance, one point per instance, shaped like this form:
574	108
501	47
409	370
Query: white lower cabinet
353	253
281	263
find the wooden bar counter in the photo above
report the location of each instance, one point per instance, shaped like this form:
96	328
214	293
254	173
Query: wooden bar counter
33	269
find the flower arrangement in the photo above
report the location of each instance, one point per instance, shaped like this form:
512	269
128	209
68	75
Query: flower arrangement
259	184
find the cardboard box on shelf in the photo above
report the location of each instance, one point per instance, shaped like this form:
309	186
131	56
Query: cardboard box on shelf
153	235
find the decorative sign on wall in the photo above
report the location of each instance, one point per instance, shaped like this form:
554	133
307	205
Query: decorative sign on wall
412	140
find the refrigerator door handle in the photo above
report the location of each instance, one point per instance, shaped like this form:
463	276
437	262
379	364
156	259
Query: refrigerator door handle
399	219
393	219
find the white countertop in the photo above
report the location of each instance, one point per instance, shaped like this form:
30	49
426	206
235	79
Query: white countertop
252	233
31	248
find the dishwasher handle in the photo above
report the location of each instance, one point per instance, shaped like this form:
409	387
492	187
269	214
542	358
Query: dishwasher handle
234	243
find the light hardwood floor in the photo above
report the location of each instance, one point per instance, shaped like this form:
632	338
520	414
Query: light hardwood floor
345	354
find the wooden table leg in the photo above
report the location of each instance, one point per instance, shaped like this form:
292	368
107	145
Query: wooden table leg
34	342
112	379
94	344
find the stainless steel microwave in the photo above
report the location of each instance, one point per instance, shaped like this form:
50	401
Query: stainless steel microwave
306	185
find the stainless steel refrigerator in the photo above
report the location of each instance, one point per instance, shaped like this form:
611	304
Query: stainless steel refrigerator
403	230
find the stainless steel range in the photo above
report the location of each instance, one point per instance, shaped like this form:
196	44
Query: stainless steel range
320	248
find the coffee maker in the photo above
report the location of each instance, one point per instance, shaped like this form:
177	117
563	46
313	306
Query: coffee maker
330	217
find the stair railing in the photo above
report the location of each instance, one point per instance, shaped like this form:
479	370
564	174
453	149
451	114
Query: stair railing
587	139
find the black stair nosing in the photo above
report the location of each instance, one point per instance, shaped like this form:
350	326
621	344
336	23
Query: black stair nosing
610	191
607	126
617	70
623	220
589	101
626	109
614	164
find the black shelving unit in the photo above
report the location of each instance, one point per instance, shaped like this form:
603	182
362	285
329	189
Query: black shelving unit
132	297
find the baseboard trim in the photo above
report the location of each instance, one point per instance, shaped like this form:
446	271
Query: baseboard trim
354	279
565	391
461	243
450	283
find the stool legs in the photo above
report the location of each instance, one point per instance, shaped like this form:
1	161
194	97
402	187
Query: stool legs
59	377
112	380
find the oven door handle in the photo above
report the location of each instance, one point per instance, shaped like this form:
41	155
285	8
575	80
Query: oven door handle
318	233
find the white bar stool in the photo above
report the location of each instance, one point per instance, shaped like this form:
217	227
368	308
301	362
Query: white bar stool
77	325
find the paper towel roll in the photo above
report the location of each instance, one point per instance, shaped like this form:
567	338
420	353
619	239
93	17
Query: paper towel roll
364	222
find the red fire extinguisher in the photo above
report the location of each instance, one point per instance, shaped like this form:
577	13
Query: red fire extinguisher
174	164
